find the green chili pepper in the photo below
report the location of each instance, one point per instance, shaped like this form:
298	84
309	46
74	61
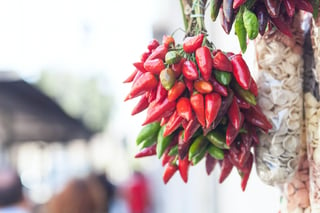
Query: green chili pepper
217	139
149	141
251	23
172	57
162	142
196	159
223	77
315	6
245	94
173	151
215	152
214	8
240	30
167	78
148	131
199	144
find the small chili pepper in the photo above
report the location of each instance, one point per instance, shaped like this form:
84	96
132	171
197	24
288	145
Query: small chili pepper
177	90
255	115
226	168
184	108
167	78
245	94
210	163
214	8
148	131
227	6
263	18
153	45
232	132
241	71
217	139
139	66
146	82
253	87
190	44
191	128
138	75
223	78
173	151
172	57
164	120
183	146
200	143
218	88
221	62
304	5
149	151
273	7
173	123
148	142
226	25
197	103
154	66
163	142
177	68
251	23
204	61
161	93
196	159
166	158
234	114
169	171
131	77
189	85
151	94
282	26
225	104
212	104
233	154
247	172
158	53
141	105
241	103
215	152
238	3
184	165
168	41
144	56
290	7
189	70
157	110
203	86
240	31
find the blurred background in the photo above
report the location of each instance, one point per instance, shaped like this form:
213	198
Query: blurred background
62	114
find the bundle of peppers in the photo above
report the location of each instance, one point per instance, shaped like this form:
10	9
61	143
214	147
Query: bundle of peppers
200	103
253	17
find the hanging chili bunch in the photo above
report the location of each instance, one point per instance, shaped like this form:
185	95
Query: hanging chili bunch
200	103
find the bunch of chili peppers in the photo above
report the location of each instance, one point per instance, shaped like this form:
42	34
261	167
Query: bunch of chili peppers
253	17
200	103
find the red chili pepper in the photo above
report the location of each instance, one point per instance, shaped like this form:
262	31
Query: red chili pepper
241	71
147	81
173	123
164	120
191	128
160	53
184	108
189	70
161	93
256	113
151	95
148	151
190	44
225	104
282	26
138	75
183	146
232	132
156	111
153	45
203	86
168	41
144	56
241	103
189	85
246	172
233	154
184	165
212	106
219	88
166	158
234	114
290	7
273	7
197	103
131	77
221	62
140	66
204	61
141	105
238	3
253	87
154	66
226	168
177	68
304	5
210	163
169	171
177	90
226	25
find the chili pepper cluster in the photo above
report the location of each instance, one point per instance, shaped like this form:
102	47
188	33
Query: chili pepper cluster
200	103
253	17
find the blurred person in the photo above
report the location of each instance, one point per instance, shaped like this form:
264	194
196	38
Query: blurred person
79	196
12	198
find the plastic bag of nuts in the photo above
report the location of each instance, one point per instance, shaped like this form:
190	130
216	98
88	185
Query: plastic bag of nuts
280	65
